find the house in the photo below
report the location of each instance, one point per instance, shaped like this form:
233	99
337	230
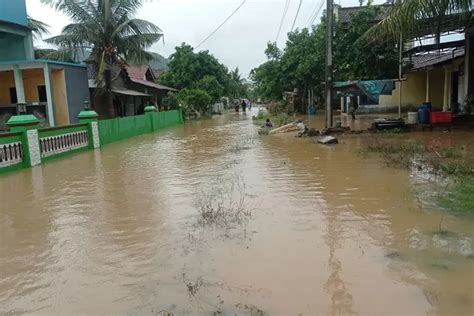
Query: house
438	73
441	74
133	88
53	91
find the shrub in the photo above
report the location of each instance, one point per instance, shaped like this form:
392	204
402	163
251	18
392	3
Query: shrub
195	99
171	100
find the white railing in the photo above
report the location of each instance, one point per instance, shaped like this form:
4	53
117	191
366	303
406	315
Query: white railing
52	145
11	154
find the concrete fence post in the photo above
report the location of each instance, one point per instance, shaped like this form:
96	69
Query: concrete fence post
90	117
149	110
27	124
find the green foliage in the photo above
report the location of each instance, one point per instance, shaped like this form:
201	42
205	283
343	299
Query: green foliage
201	70
396	153
195	99
452	152
408	17
109	30
281	119
459	197
359	59
171	100
301	64
38	28
454	168
212	86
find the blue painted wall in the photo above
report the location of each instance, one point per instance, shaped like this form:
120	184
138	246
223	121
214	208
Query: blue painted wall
12	47
77	87
13	11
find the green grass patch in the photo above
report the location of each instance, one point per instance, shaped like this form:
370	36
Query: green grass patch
397	153
453	168
457	197
452	152
460	197
278	119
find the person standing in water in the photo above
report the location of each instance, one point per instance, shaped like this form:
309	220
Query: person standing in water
244	105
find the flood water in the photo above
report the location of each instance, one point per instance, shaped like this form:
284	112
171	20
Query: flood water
118	231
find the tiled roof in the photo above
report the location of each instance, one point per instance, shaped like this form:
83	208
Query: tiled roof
137	71
434	58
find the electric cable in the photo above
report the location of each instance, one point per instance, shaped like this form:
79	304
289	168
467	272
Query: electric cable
222	24
296	16
285	11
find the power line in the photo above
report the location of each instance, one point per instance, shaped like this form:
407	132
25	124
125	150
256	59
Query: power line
296	16
313	12
317	13
285	11
225	21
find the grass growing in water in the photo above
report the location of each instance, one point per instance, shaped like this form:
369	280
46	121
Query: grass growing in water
457	196
395	153
278	119
225	206
452	152
460	197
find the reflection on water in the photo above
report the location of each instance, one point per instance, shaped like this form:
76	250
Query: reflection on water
116	231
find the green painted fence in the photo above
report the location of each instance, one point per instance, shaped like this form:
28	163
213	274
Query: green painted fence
116	129
11	152
29	146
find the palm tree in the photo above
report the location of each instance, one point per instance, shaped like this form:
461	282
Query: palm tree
409	17
106	28
38	28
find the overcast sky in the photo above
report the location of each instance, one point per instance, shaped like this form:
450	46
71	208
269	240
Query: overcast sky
239	43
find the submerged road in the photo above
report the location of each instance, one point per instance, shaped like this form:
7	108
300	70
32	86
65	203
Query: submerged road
209	217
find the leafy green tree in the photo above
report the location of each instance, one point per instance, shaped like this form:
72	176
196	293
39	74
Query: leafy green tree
109	30
238	87
187	68
203	71
355	58
301	64
212	86
171	100
195	99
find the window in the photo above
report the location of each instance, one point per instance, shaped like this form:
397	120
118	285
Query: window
13	96
42	94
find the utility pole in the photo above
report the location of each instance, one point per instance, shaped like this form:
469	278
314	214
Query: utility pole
400	74
329	34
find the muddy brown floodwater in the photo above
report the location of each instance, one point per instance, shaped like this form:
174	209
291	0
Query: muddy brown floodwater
118	231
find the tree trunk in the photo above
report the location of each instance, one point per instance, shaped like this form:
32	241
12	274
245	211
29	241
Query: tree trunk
108	94
470	60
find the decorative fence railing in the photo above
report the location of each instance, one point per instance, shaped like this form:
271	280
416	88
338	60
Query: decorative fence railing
11	154
59	140
11	151
29	145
